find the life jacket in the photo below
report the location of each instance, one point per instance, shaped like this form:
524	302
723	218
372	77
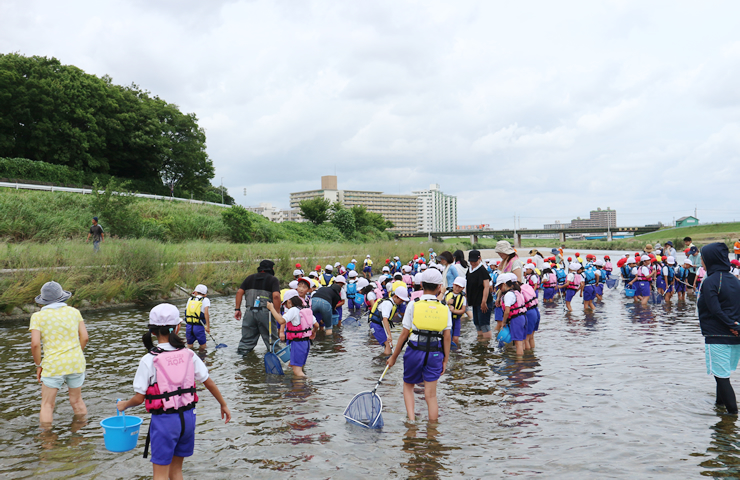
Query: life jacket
519	308
300	332
576	283
494	276
670	274
608	266
530	297
430	320
351	290
683	273
626	273
456	302
379	294
174	391
377	317
561	276
589	277
529	280
194	311
416	294
326	279
602	275
641	275
550	280
408	280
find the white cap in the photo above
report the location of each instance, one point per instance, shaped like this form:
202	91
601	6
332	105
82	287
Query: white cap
417	279
313	274
631	259
352	274
329	267
574	266
297	272
488	260
340	279
354	261
386	269
423	267
289	294
200	288
599	263
501	279
460	282
432	275
382	279
396	258
306	280
336	264
368	256
398	276
293	284
671	261
406	268
511	277
362	283
402	293
687	261
164	315
645	258
528	266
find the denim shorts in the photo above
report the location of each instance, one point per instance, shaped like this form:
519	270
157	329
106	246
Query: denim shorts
73	380
321	308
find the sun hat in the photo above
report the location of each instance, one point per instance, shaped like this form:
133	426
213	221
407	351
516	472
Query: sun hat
200	288
502	246
570	259
52	292
487	260
362	283
417	279
645	258
671	261
433	276
293	285
164	314
460	282
306	280
340	279
289	294
402	293
297	272
669	243
554	251
607	257
648	248
529	260
352	274
318	268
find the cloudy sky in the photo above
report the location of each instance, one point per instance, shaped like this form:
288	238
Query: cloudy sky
543	109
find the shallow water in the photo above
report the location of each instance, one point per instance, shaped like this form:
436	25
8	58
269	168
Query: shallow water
619	393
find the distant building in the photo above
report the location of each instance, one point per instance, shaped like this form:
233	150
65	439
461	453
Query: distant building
275	214
598	219
556	226
687	221
437	211
482	226
402	210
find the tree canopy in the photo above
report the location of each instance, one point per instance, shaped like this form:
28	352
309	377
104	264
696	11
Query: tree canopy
61	115
315	210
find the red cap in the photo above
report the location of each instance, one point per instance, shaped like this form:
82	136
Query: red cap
529	260
318	268
416	257
621	262
298	266
637	254
570	259
387	260
653	260
651	256
578	254
606	257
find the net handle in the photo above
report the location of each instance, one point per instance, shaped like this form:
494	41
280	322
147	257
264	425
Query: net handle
381	378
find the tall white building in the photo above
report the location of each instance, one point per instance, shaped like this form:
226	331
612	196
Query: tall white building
437	211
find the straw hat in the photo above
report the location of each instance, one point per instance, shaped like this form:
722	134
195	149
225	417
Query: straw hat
648	248
502	246
52	292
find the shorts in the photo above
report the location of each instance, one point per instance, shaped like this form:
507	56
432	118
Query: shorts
455	326
195	332
642	289
548	293
533	320
569	294
414	370
379	333
518	328
169	439
299	352
482	320
498	314
721	359
367	269
660	283
600	289
73	380
680	287
589	293
355	303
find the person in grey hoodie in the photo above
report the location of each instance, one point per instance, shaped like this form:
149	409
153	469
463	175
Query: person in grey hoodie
719	319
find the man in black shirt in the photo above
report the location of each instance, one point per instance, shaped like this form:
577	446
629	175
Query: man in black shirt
258	289
479	294
97	233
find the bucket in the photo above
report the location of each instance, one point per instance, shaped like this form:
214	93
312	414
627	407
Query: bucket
629	292
504	335
284	354
121	432
611	282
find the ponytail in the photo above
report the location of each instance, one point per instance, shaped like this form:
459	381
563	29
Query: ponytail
513	285
172	337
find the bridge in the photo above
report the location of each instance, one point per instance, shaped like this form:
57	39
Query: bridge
517	234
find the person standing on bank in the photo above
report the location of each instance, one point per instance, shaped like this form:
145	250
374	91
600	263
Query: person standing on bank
97	234
479	294
719	319
258	289
61	330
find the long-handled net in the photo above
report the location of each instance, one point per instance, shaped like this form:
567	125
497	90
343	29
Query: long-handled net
366	408
272	362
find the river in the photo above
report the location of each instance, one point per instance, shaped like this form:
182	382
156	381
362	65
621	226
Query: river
618	393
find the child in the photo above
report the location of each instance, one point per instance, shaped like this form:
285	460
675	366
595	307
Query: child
352	304
303	286
588	290
298	326
197	317
682	278
643	277
601	276
608	266
426	326
549	282
669	274
531	277
170	368
498	310
532	315
660	283
573	284
514	311
367	267
382	314
457	303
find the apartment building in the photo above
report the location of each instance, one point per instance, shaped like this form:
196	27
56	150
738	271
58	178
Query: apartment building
437	211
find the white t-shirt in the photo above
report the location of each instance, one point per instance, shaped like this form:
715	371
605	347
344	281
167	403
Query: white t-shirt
386	308
408	318
509	299
293	315
146	374
371	297
533	280
570	277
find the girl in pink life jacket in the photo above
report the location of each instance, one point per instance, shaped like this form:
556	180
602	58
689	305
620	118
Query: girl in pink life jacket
170	368
298	326
515	311
549	283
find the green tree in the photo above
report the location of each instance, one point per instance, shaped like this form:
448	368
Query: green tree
112	206
363	219
238	223
315	210
344	220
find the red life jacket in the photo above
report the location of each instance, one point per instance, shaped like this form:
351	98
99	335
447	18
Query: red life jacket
302	331
550	281
641	275
175	388
519	307
575	284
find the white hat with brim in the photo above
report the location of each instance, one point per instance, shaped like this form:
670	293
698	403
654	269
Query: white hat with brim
340	279
671	261
202	289
423	267
502	246
402	293
297	272
687	262
574	266
460	282
362	283
293	284
352	274
164	315
329	268
289	294
644	258
52	292
433	276
417	279
501	279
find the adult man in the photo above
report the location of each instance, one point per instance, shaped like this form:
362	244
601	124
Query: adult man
258	289
695	258
97	233
668	250
479	294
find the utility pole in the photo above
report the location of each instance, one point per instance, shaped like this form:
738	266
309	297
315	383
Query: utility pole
222	190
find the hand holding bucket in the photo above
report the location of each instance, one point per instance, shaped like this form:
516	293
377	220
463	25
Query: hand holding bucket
121	432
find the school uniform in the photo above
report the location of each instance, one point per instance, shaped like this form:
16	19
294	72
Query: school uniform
517	324
420	365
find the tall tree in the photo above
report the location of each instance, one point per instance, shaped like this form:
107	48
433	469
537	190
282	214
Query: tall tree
315	210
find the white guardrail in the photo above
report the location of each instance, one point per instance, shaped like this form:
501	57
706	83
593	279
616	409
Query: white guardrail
87	191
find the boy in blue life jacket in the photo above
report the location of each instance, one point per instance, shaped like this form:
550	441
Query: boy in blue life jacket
426	327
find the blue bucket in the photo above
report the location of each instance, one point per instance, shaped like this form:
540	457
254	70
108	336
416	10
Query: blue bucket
504	335
121	432
629	292
284	354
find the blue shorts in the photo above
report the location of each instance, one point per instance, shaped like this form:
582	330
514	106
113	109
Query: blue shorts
569	294
379	333
414	370
680	287
548	293
355	303
299	352
600	289
533	320
455	326
498	314
721	359
589	293
73	380
367	269
195	332
168	439
660	283
518	328
642	289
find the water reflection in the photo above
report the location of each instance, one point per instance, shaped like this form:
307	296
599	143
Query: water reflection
724	449
426	454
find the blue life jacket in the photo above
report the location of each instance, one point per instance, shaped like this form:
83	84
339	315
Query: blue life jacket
589	277
626	272
351	290
683	273
671	274
327	278
494	276
560	273
602	275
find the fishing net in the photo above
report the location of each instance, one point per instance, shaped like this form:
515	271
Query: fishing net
656	298
611	282
272	364
365	410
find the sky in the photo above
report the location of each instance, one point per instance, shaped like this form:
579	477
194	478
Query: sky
543	110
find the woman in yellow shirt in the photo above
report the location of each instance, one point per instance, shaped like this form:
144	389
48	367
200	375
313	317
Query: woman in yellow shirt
62	332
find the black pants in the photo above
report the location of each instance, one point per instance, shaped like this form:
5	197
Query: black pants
726	395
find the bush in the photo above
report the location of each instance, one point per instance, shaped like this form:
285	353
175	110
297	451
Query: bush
238	223
112	206
344	220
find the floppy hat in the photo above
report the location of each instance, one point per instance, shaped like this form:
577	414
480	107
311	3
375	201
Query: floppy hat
164	314
554	251
502	246
648	248
52	292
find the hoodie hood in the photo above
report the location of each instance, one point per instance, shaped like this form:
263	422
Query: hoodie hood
716	258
